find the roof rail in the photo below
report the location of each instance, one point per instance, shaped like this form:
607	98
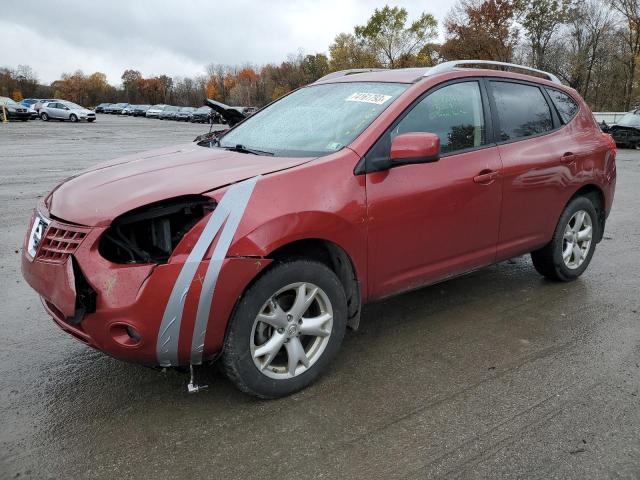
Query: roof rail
351	71
448	66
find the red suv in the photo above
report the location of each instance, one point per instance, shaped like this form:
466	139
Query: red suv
259	247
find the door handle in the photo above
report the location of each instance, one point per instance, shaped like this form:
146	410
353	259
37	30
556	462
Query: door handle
486	177
568	157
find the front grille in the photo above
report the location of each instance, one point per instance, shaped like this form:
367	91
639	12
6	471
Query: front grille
60	240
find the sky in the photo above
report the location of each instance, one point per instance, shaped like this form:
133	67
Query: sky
177	38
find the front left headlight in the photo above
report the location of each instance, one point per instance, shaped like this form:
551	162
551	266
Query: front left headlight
150	234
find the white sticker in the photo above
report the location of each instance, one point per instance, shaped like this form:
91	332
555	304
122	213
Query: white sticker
365	97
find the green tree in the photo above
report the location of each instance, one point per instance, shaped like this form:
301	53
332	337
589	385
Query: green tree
346	53
390	39
541	20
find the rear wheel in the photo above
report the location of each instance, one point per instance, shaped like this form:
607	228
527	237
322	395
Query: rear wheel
570	250
286	329
44	116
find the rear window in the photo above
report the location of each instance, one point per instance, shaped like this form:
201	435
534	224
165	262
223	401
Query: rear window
567	107
523	110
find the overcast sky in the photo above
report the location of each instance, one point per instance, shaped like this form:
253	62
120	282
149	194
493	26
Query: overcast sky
178	38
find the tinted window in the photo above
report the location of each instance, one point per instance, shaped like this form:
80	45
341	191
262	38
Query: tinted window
566	106
522	110
454	113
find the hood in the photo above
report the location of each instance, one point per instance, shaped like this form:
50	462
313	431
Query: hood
230	114
95	197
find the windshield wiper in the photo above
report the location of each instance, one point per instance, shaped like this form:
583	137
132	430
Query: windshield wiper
242	149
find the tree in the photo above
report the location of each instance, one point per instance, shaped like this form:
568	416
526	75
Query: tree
346	53
315	66
388	37
483	30
541	20
630	12
131	80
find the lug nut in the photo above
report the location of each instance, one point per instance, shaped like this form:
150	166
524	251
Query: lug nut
289	317
281	330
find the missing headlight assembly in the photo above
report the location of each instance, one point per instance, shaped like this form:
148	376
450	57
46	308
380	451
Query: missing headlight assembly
149	234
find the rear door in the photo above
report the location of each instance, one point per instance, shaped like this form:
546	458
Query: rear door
537	156
433	220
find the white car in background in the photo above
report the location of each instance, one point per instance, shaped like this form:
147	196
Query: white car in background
155	111
64	110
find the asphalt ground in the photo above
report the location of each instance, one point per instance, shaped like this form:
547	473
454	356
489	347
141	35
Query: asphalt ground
496	374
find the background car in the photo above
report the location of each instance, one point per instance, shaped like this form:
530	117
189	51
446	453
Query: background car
13	110
64	110
169	112
100	108
626	132
201	115
140	110
128	110
116	108
184	114
155	111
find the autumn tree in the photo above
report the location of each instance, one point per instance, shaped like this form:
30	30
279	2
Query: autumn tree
387	35
483	30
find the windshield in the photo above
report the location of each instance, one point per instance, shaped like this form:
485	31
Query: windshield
315	120
631	119
7	101
72	105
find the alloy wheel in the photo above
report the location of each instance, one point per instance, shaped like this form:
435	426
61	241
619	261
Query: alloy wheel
577	239
291	331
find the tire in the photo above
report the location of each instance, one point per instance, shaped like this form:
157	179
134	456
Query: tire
24	119
73	118
90	120
44	116
269	375
550	262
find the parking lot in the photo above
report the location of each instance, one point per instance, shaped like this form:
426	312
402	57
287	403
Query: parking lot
496	374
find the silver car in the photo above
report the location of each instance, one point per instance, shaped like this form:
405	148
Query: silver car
64	110
155	111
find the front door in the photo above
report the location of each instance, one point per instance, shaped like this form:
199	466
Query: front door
434	220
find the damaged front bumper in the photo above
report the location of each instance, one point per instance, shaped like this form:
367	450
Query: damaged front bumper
118	308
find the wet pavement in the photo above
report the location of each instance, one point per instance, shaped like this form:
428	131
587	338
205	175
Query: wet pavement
496	374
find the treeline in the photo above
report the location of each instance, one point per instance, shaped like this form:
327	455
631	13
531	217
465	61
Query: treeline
592	45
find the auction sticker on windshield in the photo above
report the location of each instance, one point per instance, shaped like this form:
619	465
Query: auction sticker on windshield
365	97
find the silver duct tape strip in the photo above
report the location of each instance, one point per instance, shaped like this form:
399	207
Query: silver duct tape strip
238	203
230	209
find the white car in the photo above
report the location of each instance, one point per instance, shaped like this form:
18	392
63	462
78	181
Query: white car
156	110
64	110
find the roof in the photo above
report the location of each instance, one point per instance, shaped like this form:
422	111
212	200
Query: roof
412	75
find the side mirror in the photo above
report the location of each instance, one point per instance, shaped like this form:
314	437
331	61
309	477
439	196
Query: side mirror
415	147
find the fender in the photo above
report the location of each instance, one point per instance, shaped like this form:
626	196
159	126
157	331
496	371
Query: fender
293	227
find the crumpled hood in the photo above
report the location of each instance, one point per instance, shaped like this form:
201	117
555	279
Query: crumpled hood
98	195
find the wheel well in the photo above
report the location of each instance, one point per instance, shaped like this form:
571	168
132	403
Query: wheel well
594	193
334	257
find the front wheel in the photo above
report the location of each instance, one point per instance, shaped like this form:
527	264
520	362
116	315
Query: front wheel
90	120
44	116
570	250
286	329
73	118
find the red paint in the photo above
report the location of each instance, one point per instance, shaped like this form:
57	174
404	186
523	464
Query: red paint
404	227
415	145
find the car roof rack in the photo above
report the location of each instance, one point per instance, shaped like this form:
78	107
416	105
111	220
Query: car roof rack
448	66
351	71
